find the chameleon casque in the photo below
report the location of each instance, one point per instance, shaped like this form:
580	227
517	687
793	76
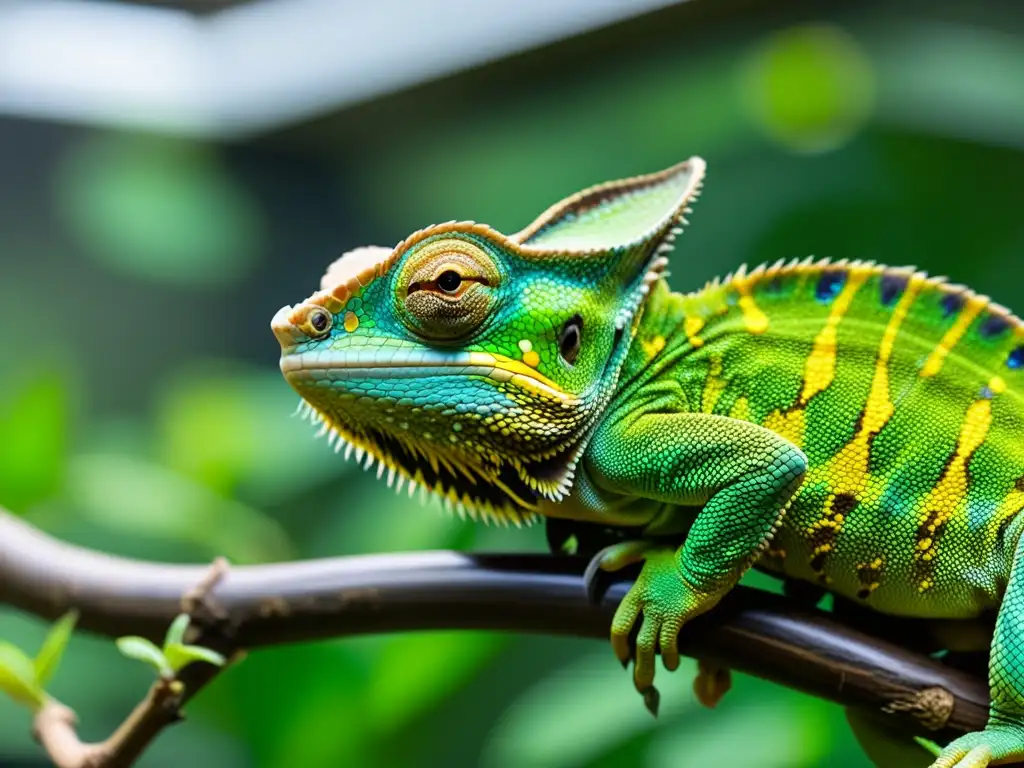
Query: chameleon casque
847	424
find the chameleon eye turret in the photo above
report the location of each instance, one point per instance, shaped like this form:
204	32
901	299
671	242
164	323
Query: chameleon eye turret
449	289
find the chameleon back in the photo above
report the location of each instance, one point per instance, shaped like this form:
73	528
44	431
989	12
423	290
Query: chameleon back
901	389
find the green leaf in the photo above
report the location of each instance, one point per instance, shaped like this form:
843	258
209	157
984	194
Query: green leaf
52	650
141	649
176	632
180	656
18	677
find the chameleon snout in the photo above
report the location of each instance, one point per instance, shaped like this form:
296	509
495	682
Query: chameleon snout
303	322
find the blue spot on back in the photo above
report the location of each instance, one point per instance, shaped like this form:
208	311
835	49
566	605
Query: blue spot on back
829	285
993	325
891	288
952	303
1016	358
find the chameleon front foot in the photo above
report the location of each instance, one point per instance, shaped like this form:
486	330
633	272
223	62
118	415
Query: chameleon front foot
1003	743
665	602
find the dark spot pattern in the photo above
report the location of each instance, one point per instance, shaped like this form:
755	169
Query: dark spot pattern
869	575
993	325
1016	358
823	537
952	303
891	288
829	285
844	503
818	564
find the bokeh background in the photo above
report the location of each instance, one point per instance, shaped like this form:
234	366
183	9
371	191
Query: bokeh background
172	173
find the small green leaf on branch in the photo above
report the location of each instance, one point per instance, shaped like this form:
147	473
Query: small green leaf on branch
176	632
52	650
18	677
141	649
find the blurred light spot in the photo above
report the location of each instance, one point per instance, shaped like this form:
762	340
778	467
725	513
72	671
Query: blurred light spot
158	209
132	497
34	424
810	88
233	430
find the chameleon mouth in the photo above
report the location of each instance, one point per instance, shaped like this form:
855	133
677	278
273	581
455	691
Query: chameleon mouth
386	363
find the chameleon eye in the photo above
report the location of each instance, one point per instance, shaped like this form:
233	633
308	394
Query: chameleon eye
318	323
449	281
448	289
570	339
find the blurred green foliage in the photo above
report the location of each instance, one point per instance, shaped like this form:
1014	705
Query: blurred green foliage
141	411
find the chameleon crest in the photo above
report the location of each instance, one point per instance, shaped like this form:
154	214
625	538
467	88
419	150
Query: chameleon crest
476	363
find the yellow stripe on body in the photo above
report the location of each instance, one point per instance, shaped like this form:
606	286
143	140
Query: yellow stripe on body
714	385
691	327
949	495
820	368
847	473
971	309
741	409
754	319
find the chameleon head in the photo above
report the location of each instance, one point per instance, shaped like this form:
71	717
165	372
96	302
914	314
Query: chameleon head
476	363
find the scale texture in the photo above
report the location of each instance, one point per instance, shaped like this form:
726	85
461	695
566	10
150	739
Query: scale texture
847	424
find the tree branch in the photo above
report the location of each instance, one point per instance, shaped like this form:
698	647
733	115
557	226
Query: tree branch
750	631
55	725
55	728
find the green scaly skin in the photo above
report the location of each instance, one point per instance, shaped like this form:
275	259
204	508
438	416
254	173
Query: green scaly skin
847	424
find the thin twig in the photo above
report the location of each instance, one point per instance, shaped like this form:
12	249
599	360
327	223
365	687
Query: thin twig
55	724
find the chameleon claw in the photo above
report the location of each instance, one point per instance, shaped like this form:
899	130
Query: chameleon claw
652	700
593	583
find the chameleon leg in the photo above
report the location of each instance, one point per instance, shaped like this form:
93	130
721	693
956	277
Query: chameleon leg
1002	741
743	474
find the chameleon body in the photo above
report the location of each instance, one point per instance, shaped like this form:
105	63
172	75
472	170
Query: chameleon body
848	424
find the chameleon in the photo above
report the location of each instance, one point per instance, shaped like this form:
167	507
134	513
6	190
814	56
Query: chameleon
847	424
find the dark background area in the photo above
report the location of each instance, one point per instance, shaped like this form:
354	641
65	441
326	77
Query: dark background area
141	410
